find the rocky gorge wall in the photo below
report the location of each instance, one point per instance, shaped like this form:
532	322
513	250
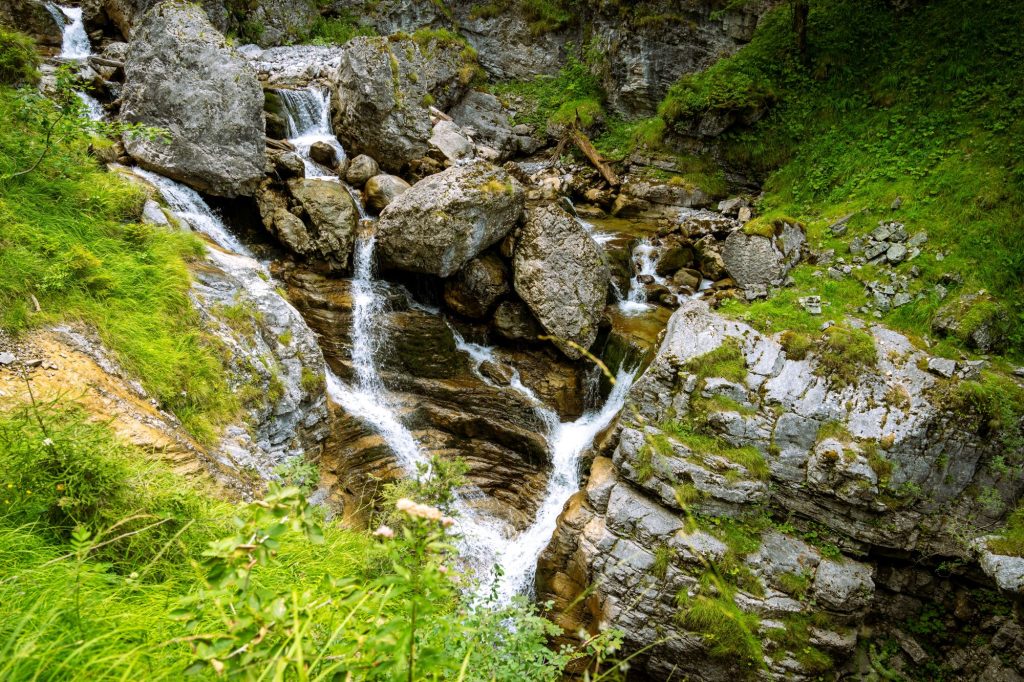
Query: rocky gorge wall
751	489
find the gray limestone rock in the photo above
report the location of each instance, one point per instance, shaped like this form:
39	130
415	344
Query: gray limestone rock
447	219
183	77
559	271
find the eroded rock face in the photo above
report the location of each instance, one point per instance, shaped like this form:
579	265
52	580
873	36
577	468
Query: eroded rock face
272	354
878	464
265	22
183	77
385	87
447	219
561	275
452	409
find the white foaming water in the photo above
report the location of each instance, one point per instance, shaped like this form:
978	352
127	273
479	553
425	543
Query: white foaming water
187	203
566	443
94	110
486	541
367	399
75	45
309	122
601	238
644	264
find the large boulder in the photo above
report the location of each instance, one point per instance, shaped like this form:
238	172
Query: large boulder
483	116
381	190
561	275
34	18
125	16
872	474
264	22
474	290
314	218
447	219
763	259
385	87
182	76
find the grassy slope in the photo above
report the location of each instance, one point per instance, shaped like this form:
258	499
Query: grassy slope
70	237
924	106
108	615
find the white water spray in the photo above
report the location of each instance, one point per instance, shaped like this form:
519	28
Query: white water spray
75	42
191	208
309	121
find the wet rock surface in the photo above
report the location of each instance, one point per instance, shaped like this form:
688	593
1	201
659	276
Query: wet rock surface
312	218
183	77
452	410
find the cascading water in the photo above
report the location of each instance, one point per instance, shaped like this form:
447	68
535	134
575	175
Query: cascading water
75	45
517	555
368	399
644	265
485	541
309	121
187	203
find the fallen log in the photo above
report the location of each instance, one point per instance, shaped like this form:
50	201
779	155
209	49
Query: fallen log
586	146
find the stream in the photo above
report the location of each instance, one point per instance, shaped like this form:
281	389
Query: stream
503	558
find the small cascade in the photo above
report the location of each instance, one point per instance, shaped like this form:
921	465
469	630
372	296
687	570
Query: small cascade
309	121
187	203
644	265
93	108
75	45
368	399
566	442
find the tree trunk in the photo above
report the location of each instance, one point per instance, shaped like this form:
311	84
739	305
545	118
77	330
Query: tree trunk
800	12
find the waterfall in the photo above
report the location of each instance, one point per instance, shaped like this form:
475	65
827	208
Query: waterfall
75	45
368	399
93	108
566	443
308	116
191	208
644	265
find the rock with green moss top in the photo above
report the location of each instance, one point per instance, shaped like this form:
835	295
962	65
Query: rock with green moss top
976	319
763	258
806	482
448	219
560	272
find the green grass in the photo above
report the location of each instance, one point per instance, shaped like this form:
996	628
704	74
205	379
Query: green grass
19	61
107	614
337	30
927	114
1010	540
845	354
70	239
729	632
555	99
727	361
